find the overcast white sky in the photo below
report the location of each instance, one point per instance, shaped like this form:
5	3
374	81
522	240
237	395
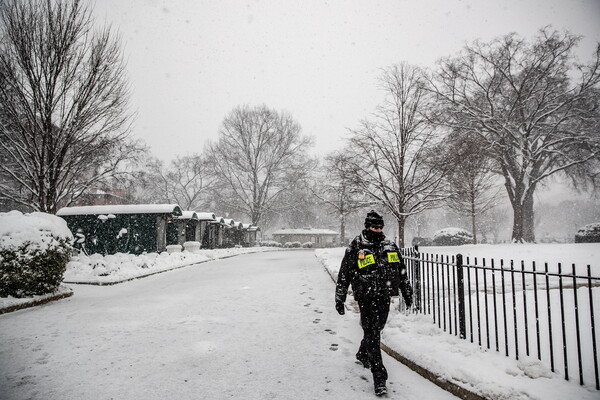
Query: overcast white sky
190	62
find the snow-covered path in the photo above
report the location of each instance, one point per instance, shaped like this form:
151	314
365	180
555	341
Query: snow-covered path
258	326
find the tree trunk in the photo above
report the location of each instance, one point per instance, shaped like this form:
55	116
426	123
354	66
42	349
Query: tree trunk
528	219
473	222
343	230
400	237
523	223
517	231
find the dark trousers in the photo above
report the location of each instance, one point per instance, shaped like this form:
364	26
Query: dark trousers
373	316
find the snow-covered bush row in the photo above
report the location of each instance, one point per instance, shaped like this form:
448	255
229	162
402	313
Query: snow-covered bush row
452	237
269	243
34	251
308	245
588	234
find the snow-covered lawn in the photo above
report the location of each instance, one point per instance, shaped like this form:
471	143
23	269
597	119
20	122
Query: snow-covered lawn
483	371
580	254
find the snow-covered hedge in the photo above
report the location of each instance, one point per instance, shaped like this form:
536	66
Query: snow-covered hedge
421	241
34	251
308	245
588	234
269	243
452	237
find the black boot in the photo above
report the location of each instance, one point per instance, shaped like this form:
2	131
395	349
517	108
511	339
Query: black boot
379	383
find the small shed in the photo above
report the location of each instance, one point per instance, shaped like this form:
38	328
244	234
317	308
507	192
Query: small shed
133	228
249	233
217	227
232	235
319	237
186	227
204	234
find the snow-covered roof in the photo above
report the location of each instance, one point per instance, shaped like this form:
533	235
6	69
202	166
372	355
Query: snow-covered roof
229	221
121	209
219	220
188	215
206	216
305	231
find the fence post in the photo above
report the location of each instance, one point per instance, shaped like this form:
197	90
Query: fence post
417	280
461	296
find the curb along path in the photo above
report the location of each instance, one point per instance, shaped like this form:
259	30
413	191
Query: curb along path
36	301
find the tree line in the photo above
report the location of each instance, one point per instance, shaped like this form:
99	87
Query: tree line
497	119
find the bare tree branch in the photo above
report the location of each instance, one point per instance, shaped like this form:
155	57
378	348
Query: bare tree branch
64	122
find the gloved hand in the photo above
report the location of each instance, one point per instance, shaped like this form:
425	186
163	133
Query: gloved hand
339	306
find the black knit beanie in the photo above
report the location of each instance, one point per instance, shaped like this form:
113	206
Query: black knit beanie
373	218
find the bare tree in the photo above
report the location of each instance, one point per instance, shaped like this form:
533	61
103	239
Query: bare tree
337	190
393	154
521	100
188	181
472	184
63	103
260	154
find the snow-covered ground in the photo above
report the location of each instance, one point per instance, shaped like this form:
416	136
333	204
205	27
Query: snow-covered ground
253	327
414	336
482	371
580	254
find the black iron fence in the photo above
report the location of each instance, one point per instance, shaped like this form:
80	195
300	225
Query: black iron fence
549	312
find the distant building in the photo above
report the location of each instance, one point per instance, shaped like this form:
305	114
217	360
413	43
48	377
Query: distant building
319	237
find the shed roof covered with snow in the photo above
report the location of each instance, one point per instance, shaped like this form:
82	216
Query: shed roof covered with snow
122	209
188	215
206	216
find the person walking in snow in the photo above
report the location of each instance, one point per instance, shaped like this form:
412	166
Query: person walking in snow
376	271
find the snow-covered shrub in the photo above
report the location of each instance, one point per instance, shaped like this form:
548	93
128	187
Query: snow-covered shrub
421	241
270	243
287	245
588	234
308	245
452	237
34	251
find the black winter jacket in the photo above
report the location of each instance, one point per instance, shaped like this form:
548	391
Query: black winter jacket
373	268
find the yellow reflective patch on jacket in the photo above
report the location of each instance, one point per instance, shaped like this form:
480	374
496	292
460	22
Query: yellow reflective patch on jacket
368	260
393	257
